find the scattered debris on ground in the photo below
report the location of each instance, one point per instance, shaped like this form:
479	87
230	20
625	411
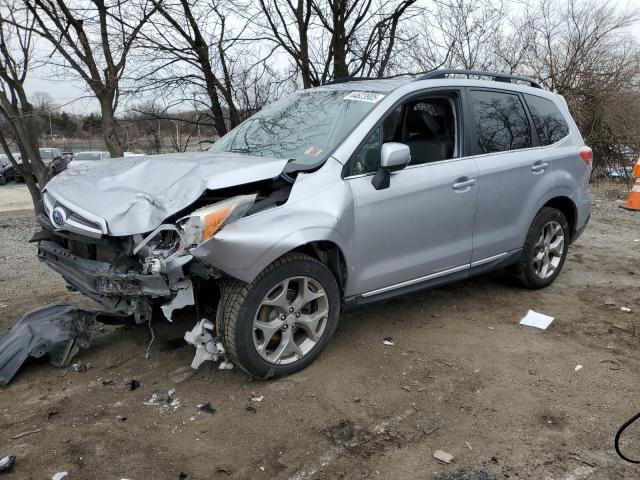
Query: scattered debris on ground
7	462
58	330
133	384
537	320
388	341
59	475
29	432
443	456
430	428
80	367
207	408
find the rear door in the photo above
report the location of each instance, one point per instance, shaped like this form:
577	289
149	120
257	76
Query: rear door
514	172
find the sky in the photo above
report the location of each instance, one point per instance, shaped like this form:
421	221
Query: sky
72	96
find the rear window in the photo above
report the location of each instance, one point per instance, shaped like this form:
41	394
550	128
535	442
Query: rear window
501	121
549	122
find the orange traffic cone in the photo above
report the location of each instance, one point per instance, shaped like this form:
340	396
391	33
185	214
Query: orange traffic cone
633	200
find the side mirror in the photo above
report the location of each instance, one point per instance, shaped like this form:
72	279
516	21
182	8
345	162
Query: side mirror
393	157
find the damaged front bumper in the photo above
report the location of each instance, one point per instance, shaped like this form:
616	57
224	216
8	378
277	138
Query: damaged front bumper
122	293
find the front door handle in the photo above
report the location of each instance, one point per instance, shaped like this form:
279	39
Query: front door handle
539	167
464	184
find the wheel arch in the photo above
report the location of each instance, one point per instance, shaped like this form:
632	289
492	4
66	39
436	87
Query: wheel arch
568	209
331	255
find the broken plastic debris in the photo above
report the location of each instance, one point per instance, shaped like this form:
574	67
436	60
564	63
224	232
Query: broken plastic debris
133	384
153	400
430	428
537	320
58	330
578	367
108	382
443	456
257	399
387	341
625	309
7	462
207	346
225	365
207	408
59	475
120	418
80	367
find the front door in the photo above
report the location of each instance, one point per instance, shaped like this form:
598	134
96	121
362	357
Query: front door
421	226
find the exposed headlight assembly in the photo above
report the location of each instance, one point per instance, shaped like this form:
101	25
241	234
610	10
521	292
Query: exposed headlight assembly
202	224
199	226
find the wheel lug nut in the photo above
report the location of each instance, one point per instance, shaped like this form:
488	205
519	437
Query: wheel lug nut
283	317
291	309
297	314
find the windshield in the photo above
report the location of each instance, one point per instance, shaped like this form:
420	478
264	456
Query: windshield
88	156
305	126
46	154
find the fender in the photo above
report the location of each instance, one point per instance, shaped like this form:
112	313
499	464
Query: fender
244	248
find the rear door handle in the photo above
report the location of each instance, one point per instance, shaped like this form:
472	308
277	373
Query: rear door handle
464	184
539	167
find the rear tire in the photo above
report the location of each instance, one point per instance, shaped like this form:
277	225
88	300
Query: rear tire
544	252
279	323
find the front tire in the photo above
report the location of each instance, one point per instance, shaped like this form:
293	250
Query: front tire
545	250
279	323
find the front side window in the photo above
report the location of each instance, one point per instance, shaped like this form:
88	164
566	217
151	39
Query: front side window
549	122
305	127
501	121
427	126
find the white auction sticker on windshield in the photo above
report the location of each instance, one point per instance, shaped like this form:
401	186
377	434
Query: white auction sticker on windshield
364	97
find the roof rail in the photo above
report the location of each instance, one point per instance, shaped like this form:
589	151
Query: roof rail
348	79
497	77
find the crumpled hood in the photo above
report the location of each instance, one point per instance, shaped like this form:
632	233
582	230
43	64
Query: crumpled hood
136	194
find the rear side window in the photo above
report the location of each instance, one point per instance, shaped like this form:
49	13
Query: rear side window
549	122
501	121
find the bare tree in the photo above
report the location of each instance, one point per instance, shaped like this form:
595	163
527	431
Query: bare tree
93	39
19	121
584	51
335	38
196	53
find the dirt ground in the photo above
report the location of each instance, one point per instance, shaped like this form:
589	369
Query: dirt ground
507	400
15	196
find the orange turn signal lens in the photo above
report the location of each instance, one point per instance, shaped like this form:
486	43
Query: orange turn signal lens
214	220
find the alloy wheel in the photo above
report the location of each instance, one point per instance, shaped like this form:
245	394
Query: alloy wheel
290	320
548	250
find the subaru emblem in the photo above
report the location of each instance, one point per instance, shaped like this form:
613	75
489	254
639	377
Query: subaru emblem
58	216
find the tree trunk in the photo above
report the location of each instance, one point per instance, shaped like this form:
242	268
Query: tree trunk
338	40
305	66
110	129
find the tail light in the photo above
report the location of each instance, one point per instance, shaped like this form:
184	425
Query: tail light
586	154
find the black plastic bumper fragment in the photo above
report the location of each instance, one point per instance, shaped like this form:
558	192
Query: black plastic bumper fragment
97	279
58	330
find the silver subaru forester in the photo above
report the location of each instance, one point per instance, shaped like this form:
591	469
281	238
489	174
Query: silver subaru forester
328	199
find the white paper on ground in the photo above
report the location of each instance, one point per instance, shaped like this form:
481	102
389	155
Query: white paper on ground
535	319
